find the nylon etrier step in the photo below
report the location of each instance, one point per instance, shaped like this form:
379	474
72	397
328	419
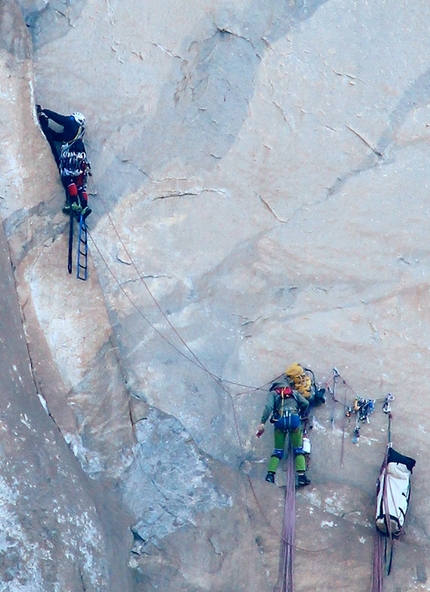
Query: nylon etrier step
82	258
70	252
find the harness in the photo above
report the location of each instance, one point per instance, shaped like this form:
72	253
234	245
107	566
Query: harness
284	417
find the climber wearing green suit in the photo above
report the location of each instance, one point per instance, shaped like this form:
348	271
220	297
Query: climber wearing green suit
285	407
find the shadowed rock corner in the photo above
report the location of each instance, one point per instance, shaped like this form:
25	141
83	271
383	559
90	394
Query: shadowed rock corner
59	529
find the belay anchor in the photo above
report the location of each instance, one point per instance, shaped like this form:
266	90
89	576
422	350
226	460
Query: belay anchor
363	408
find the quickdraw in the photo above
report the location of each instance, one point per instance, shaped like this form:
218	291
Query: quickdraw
362	408
386	407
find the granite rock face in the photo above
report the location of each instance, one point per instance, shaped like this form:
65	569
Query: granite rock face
59	531
259	196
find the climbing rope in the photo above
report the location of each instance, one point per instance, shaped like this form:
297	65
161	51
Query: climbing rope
288	532
286	564
383	547
193	358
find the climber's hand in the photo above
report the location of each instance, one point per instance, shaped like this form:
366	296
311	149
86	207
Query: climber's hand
260	430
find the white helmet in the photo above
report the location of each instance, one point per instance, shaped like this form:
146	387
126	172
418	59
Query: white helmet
79	117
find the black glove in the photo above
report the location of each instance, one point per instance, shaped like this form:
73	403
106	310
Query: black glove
43	118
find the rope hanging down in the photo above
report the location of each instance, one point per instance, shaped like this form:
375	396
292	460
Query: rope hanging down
392	500
288	535
380	545
286	564
193	358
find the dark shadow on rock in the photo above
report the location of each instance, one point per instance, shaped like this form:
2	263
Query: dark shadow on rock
415	97
13	33
211	101
51	20
205	101
63	530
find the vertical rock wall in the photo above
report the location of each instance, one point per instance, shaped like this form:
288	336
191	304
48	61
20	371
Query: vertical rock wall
259	197
57	532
